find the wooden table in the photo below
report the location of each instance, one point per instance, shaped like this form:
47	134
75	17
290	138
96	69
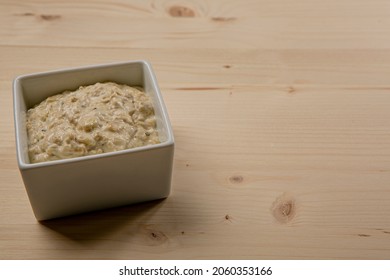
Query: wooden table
281	114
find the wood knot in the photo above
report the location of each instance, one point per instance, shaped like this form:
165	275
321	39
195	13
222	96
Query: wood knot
223	19
236	179
284	209
50	17
228	218
155	237
27	14
181	11
364	235
45	17
291	90
227	66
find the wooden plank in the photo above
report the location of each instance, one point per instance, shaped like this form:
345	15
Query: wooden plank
363	69
302	176
207	24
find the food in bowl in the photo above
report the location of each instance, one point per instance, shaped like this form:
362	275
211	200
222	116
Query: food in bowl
77	185
94	119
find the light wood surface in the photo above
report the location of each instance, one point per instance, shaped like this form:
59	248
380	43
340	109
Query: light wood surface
281	115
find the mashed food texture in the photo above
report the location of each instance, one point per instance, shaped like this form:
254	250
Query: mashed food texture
94	119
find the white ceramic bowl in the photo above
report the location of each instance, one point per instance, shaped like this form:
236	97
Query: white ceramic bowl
71	186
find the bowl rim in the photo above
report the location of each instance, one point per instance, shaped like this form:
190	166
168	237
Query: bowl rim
165	117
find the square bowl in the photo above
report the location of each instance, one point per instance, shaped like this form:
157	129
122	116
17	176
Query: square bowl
76	185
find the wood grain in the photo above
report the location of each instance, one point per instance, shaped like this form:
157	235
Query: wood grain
281	116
